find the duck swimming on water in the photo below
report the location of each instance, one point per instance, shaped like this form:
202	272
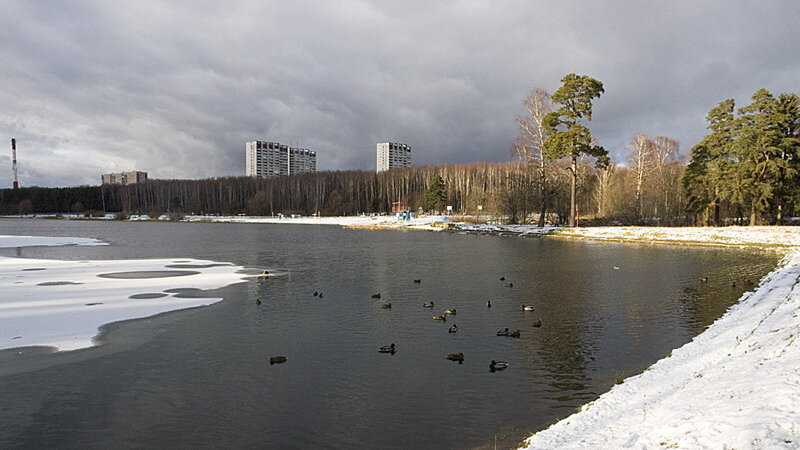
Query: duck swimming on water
503	332
456	357
427	305
277	360
453	329
497	365
388	349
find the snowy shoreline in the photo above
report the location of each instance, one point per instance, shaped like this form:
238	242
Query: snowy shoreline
736	385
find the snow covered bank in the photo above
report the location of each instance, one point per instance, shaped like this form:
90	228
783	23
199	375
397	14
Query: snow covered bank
736	385
389	221
63	303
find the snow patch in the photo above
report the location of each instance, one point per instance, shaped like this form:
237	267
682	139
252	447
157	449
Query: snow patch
63	303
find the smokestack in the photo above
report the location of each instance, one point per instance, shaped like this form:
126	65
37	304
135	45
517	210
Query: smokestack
14	161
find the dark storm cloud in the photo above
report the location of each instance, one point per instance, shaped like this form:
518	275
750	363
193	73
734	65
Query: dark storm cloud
177	88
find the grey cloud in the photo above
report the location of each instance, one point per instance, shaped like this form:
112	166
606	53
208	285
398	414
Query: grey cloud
176	88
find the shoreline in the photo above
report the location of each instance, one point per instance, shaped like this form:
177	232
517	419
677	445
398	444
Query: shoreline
734	385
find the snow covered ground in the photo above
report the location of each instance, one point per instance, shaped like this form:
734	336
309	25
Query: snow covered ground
63	303
736	385
389	221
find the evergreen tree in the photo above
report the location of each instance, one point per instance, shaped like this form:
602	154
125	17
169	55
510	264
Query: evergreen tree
766	151
435	195
705	177
566	136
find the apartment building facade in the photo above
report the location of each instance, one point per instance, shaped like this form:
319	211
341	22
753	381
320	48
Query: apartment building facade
132	177
391	155
270	159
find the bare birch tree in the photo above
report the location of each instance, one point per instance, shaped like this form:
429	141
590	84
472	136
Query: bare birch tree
640	158
530	141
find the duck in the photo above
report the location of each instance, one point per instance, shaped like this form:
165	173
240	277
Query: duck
451	312
378	295
386	306
616	267
514	334
511	285
388	349
488	303
704	280
456	357
264	274
503	332
502	278
277	360
258	301
453	329
316	293
442	318
417	280
497	365
733	284
537	324
320	295
527	308
427	305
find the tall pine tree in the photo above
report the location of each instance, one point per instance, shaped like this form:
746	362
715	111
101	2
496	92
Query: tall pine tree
567	137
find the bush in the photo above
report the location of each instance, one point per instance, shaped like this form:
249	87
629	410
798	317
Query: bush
154	214
122	215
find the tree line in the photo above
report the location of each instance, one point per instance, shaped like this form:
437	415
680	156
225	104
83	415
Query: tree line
744	171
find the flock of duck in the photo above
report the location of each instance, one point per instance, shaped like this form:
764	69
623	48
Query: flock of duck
458	357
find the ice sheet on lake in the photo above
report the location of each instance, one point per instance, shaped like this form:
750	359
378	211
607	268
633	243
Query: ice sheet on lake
7	241
63	303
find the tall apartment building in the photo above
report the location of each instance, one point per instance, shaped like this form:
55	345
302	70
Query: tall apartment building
392	155
270	159
132	177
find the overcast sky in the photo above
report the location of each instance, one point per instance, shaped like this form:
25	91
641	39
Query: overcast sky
176	88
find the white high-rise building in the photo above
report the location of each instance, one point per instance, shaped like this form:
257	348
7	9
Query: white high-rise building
392	155
270	159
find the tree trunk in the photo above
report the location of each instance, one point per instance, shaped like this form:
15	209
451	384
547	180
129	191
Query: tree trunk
542	193
573	187
753	216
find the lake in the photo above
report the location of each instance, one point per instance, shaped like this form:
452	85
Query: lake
202	378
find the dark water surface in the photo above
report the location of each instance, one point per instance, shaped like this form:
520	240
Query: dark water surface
201	377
